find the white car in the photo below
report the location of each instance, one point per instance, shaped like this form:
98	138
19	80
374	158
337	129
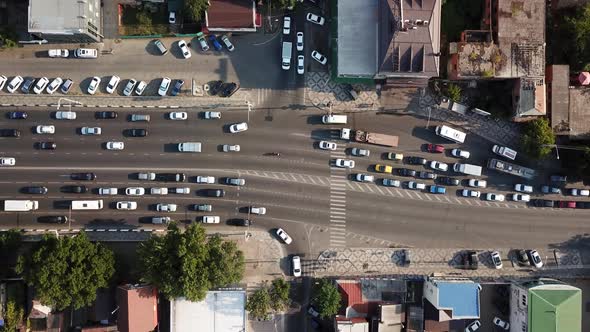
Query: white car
161	220
495	197
460	153
140	88
500	323
317	56
325	145
210	219
209	115
238	127
345	163
231	148
235	181
166	207
54	85
313	18
300	64
228	44
40	85
185	190
258	210
521	197
41	129
113	82
164	86
437	165
151	176
135	191
3	80
296	263
14	84
129	87
523	188
186	53
286	25
205	179
172	17
477	183
364	177
159	191
115	145
284	236
58	53
108	191
93	86
470	193
496	259
391	183
416	185
65	115
7	161
300	41
535	259
579	192
126	205
91	131
178	116
474	326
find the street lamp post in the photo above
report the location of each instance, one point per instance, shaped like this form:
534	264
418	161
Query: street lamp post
249	104
67	99
428	122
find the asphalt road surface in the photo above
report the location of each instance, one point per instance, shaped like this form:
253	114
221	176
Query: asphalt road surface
297	187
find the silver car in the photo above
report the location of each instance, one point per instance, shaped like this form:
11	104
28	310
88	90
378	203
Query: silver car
235	181
129	87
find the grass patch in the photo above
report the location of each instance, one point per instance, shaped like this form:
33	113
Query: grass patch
144	20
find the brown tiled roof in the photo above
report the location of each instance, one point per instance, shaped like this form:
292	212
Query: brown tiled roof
138	308
230	14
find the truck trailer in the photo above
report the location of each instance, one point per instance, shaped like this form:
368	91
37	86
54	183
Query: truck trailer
20	205
467	169
362	136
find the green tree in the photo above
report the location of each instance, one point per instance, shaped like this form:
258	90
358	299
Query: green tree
187	264
454	92
537	138
576	32
258	304
279	294
196	8
144	23
326	299
13	317
67	271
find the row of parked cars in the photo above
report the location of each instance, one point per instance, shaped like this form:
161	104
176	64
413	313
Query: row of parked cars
37	86
185	47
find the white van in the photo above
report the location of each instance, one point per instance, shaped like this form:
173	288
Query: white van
86	53
451	134
88	205
189	147
334	119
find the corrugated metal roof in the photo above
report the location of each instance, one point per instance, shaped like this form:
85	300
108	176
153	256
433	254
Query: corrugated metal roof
555	308
138	308
230	15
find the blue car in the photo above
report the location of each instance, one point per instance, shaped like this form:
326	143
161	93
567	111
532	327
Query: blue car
177	87
17	115
438	190
215	42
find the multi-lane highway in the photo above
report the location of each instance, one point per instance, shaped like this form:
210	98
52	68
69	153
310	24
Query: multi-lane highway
298	187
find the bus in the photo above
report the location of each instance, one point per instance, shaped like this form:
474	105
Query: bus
451	134
87	205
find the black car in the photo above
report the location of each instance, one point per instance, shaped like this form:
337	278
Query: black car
172	177
10	133
83	176
244	222
177	86
47	145
582	205
26	87
427	175
406	172
17	115
215	192
53	219
558	178
543	203
228	89
449	181
106	115
137	132
470	260
75	189
521	257
35	190
215	87
417	161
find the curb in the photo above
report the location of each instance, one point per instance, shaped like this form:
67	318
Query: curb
77	230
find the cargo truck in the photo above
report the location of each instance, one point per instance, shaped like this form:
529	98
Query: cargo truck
189	147
467	169
368	137
287	51
504	152
20	205
451	134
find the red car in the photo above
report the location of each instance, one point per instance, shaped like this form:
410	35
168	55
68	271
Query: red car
567	204
435	148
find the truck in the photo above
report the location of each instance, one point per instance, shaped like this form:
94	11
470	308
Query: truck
467	169
512	169
189	147
287	51
504	152
20	205
450	134
58	53
362	136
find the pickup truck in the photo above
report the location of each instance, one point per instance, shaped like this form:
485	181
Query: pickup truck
369	137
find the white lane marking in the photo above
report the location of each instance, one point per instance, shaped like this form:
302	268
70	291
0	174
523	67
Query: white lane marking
445	197
337	200
430	198
468	201
337	212
338	221
407	193
338	217
369	188
338	226
333	208
335	204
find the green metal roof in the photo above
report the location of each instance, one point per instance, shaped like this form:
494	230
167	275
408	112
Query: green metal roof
555	308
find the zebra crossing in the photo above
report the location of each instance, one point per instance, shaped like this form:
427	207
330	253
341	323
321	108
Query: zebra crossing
338	186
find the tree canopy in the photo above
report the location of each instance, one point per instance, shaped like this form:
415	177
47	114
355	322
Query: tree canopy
574	35
279	294
67	271
187	264
258	304
326	299
537	138
196	8
267	299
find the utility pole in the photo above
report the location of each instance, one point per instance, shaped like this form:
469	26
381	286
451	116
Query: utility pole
67	99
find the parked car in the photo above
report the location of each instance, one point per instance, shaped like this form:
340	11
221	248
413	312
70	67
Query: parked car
439	166
216	45
203	207
171	177
364	177
286	25
177	87
438	190
458	153
178	116
93	86
186	53
474	326
17	115
202	42
296	265
523	188
394	156
205	179
558	178
108	191
470	261
543	203
406	172
27	85
391	183
135	191
521	197
501	323
228	89
535	259
164	85
181	190
416	185
113	83
284	236
547	189
215	192
496	259
65	88
140	88
435	148
210	219
54	85
300	64
345	163
449	181
3	81
495	197
14	84
317	56
325	145
238	127
129	87
417	160
476	183
579	192
313	18
567	204
427	175
209	115
383	168
172	17
521	257
228	44
159	191
106	115
300	41
166	207
65	115
258	210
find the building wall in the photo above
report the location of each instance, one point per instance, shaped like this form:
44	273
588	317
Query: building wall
69	21
431	292
518	308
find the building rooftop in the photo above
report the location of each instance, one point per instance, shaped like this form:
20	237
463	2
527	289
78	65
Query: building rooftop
455	299
220	311
531	98
63	16
138	308
578	118
555	308
558	76
231	15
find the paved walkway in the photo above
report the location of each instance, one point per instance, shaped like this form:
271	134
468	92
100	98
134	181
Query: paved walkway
321	91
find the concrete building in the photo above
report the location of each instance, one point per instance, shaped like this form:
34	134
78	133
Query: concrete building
453	299
138	308
232	16
65	21
220	311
